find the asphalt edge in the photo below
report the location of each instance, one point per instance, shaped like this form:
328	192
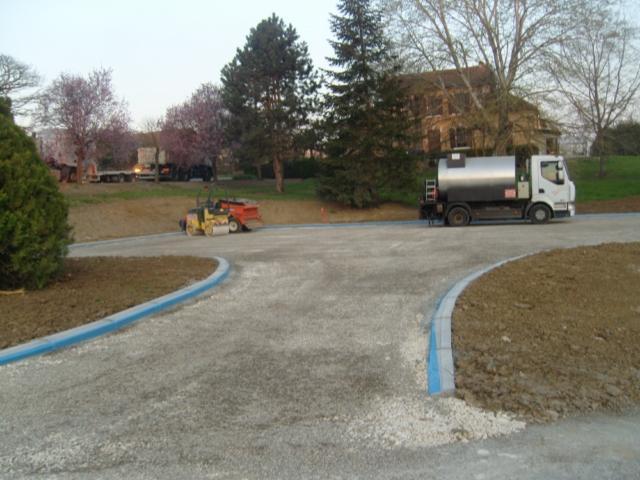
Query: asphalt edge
113	322
580	216
440	369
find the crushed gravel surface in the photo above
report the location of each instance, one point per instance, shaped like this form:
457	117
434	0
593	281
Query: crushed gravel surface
424	422
552	334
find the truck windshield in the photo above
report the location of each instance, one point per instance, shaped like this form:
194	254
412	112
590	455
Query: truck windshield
566	169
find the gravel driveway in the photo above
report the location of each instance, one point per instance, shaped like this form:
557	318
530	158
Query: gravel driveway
308	362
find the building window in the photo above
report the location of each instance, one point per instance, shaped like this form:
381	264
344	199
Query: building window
434	105
458	137
433	138
460	103
416	104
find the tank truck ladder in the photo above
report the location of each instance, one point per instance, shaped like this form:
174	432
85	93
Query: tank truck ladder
431	191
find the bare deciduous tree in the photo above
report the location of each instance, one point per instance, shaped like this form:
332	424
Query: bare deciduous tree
195	129
597	72
15	78
510	37
83	108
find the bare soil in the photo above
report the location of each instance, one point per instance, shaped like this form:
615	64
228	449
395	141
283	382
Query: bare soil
552	334
123	218
132	217
89	290
620	205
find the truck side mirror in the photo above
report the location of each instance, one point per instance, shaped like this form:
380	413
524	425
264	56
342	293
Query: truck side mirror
560	177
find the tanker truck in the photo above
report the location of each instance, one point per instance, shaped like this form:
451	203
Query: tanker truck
493	188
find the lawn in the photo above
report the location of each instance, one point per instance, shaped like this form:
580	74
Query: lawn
256	190
295	190
622	178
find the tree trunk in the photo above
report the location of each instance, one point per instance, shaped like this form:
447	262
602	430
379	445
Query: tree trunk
157	162
80	154
277	172
503	134
602	171
259	171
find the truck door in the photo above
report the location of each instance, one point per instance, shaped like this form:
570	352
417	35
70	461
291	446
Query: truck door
553	184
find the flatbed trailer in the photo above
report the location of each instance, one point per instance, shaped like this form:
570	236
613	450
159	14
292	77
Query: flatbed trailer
111	176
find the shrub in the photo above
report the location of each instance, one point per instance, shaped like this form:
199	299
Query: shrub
302	168
244	176
34	233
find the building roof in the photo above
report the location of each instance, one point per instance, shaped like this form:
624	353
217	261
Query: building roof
478	75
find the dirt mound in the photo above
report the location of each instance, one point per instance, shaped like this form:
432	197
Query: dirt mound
124	218
552	334
89	290
619	205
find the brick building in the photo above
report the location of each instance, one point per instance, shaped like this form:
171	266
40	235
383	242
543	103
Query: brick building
442	104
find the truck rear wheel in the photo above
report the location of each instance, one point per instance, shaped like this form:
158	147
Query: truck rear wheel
539	214
458	217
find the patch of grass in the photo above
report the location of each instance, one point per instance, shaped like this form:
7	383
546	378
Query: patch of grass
256	190
293	190
622	178
83	195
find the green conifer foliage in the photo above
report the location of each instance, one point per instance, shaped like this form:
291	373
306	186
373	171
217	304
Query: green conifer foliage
269	88
367	127
34	233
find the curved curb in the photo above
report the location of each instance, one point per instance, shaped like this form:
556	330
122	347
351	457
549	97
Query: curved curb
440	370
113	322
123	239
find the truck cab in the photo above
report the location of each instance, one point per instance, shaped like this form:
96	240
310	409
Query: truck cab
551	186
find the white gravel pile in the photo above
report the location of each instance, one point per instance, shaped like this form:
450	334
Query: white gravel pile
414	423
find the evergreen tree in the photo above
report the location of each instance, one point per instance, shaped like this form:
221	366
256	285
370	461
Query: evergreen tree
269	89
34	233
367	127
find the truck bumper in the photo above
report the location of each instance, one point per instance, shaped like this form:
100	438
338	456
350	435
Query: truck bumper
570	212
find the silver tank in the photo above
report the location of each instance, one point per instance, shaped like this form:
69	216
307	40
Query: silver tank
480	179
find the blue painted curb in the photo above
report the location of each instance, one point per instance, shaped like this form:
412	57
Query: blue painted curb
123	239
440	369
115	321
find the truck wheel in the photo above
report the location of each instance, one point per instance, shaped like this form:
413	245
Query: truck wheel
458	217
539	214
234	225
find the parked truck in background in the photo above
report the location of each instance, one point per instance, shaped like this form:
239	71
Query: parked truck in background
491	188
94	174
145	169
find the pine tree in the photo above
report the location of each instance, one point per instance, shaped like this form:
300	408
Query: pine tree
34	233
367	127
269	89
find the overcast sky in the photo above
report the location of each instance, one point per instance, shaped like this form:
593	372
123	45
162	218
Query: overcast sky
160	51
